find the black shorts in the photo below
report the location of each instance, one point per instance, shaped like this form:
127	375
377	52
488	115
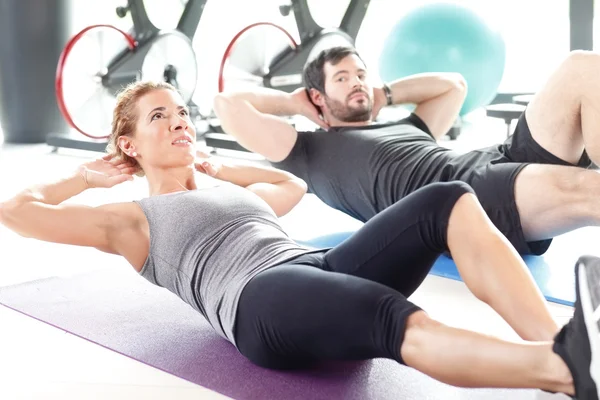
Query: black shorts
492	172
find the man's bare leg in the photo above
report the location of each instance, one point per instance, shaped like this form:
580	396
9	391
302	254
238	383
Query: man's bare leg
564	116
554	199
564	119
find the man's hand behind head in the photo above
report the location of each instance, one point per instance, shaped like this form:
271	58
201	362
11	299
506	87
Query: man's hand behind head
306	108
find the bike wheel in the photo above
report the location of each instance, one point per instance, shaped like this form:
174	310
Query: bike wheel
83	101
171	58
250	53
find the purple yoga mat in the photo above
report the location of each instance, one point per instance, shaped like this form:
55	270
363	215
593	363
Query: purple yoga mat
125	313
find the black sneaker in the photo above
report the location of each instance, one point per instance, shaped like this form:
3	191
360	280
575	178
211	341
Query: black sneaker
578	342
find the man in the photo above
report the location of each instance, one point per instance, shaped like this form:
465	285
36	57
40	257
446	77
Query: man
534	186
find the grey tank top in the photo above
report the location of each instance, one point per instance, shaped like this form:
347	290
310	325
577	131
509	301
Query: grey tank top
206	245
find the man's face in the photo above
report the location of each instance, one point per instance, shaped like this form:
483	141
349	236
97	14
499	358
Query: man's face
348	95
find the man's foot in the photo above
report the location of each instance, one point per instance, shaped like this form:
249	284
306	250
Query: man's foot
578	342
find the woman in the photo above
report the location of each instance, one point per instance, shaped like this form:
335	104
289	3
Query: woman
221	250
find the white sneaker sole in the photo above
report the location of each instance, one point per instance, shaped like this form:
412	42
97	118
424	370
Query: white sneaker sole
591	324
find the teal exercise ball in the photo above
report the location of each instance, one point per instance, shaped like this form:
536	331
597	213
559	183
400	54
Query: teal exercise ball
443	37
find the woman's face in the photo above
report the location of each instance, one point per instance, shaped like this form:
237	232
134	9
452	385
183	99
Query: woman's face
165	136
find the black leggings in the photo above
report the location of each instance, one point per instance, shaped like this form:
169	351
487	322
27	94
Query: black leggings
348	303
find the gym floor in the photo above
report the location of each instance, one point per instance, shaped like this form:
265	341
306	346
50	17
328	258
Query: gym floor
41	361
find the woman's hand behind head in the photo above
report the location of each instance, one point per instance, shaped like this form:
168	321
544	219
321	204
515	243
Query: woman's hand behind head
107	171
206	165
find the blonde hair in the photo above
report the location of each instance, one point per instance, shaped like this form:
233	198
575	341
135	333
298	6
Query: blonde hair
125	115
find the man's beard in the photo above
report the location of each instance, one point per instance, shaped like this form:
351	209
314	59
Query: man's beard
347	113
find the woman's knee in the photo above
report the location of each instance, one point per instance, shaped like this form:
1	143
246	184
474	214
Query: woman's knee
447	193
448	196
442	196
434	205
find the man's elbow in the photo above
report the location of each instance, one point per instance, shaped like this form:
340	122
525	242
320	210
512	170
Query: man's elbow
228	109
221	103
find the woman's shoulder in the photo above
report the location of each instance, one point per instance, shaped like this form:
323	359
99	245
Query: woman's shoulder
124	215
129	232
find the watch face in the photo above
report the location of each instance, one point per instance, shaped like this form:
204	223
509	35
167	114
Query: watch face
164	14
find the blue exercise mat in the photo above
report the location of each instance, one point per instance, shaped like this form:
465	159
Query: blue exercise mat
314	224
556	281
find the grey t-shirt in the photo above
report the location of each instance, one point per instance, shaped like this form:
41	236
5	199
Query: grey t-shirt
207	244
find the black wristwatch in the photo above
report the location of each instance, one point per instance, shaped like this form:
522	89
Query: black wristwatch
388	94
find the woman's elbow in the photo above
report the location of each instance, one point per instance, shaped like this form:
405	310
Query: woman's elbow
302	186
300	190
296	189
9	217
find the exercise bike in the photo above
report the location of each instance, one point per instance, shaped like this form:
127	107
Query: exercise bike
87	81
264	54
101	59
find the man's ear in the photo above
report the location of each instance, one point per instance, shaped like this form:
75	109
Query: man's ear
316	97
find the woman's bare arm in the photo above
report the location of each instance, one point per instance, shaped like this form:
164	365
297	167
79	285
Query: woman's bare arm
38	212
281	190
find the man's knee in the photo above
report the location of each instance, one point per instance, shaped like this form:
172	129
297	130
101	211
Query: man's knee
580	61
